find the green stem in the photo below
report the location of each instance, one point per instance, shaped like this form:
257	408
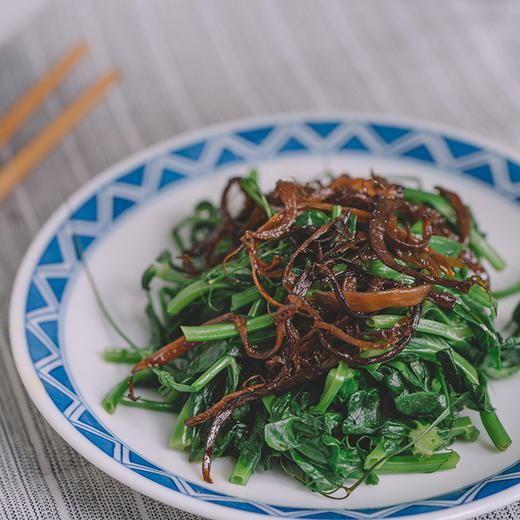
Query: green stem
182	435
249	295
124	355
256	308
376	454
335	380
410	464
243	469
495	430
453	332
192	292
117	393
351	225
463	428
494	427
444	386
168	274
377	268
212	372
224	330
504	293
250	185
483	248
158	406
99	300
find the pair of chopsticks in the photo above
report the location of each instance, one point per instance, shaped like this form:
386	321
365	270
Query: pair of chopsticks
21	164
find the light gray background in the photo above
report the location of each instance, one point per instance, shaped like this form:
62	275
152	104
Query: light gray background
186	64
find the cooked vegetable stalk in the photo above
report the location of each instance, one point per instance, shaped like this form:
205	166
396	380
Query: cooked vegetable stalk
509	291
117	393
182	435
224	330
410	464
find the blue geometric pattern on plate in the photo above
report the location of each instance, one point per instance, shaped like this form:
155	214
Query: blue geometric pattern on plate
247	145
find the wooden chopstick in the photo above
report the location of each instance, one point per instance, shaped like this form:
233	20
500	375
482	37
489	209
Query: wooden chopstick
17	169
35	96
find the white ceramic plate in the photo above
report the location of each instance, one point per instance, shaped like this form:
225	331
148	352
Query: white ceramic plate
122	219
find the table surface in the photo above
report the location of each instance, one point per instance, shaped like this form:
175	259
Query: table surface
186	64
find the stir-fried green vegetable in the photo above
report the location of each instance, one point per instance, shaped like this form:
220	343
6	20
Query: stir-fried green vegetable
390	337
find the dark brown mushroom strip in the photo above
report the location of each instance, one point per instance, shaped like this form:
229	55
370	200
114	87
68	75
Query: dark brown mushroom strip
377	300
211	439
288	277
377	230
160	357
240	324
227	401
415	315
333	329
399	236
187	265
261	290
447	261
288	194
442	299
347	338
250	216
339	295
461	211
471	260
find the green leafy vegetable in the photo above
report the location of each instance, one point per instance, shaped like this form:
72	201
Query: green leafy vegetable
278	339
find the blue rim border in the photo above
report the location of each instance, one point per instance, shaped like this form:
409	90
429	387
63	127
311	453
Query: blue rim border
93	218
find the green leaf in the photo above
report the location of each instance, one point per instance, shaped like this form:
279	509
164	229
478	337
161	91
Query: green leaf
312	217
419	404
393	434
228	437
292	431
364	412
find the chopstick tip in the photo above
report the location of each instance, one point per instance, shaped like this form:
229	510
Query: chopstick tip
113	75
79	49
